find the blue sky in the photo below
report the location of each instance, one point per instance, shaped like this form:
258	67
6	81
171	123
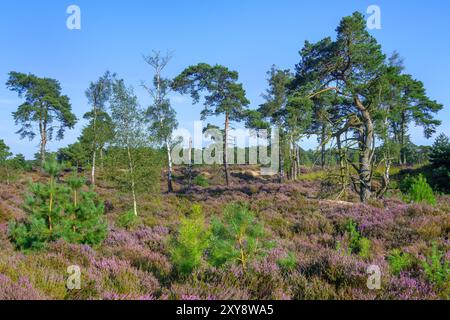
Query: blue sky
247	35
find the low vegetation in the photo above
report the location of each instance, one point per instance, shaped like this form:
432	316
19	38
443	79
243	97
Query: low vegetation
140	227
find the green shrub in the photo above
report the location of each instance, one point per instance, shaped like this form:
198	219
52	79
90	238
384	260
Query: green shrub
356	243
420	191
288	263
237	237
436	267
127	220
201	181
187	249
55	211
406	183
365	246
399	261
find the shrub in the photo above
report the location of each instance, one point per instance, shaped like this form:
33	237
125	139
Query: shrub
201	181
420	191
399	261
237	237
187	249
406	183
356	243
436	267
127	220
57	212
365	248
288	263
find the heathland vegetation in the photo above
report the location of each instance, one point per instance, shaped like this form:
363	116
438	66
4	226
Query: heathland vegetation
141	227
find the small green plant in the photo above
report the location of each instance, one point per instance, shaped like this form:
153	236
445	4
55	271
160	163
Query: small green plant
127	220
201	181
365	247
357	244
188	247
56	211
420	191
436	267
238	237
399	261
288	263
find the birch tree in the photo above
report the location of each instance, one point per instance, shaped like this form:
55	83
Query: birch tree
160	114
128	130
98	131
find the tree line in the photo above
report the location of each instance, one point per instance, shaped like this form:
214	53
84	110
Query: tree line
359	102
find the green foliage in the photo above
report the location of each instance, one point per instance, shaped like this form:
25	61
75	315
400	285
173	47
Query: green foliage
127	220
288	263
188	248
440	164
399	261
75	155
4	151
4	162
44	105
420	191
99	129
357	244
436	267
237	237
440	152
59	211
147	163
201	181
365	246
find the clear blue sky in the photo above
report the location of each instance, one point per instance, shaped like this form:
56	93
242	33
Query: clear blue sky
246	35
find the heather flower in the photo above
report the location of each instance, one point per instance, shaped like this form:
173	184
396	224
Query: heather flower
18	290
407	287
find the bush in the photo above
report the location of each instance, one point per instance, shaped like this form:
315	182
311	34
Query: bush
127	220
201	181
436	268
55	211
399	261
420	191
237	237
356	243
288	263
187	249
440	152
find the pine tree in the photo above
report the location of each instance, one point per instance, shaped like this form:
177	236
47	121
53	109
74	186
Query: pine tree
56	211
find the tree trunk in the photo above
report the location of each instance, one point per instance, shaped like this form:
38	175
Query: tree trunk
281	170
403	140
365	153
101	159
94	144
323	147
190	164
94	157
386	178
225	149
43	142
133	185
169	169
342	167
7	174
